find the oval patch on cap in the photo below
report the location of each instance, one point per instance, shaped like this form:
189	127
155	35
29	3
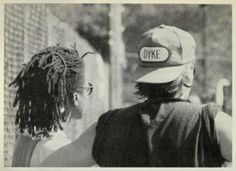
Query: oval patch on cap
153	54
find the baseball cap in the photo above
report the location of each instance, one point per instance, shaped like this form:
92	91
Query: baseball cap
163	52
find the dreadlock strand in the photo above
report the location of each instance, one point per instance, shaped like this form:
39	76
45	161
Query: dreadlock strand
16	99
42	89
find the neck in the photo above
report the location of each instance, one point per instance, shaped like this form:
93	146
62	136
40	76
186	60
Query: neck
74	128
183	93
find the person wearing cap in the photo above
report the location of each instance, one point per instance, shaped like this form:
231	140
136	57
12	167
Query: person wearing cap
165	130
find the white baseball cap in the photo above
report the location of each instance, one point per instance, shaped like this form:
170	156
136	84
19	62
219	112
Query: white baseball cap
163	53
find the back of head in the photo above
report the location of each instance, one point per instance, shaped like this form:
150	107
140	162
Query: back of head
44	86
166	62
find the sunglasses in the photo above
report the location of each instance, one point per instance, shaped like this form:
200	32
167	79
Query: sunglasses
89	88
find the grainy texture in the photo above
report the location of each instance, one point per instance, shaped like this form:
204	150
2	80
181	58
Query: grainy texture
28	29
14	53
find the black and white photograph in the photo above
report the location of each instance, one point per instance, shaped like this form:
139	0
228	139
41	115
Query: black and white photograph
117	85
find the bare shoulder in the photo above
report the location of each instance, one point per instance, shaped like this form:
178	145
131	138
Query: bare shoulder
223	121
44	148
40	152
223	124
223	114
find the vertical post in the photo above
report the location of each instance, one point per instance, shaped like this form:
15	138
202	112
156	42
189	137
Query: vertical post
204	45
116	55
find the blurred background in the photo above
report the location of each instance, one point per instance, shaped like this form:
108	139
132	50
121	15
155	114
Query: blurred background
111	31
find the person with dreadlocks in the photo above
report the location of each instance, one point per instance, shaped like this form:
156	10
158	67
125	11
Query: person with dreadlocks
165	130
51	90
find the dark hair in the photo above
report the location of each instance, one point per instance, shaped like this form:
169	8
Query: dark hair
158	91
44	86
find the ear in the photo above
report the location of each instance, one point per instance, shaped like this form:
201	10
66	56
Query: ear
76	98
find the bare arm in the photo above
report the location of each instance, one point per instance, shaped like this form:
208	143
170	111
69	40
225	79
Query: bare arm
78	153
223	124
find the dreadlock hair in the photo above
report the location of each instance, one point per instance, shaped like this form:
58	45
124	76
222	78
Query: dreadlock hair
167	90
45	85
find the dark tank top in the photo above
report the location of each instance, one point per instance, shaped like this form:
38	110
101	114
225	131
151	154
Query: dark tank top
185	136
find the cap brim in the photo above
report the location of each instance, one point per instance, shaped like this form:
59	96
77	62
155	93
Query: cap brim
162	75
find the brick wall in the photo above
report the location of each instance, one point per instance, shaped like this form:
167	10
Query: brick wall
14	53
